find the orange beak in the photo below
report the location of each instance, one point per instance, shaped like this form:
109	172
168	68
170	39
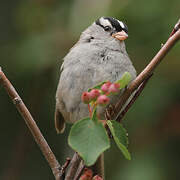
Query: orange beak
121	36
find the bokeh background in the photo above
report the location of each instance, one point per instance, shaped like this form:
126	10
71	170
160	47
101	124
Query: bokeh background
34	37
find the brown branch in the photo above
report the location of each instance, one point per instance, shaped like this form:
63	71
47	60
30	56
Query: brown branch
79	171
142	85
148	70
138	92
48	154
73	167
176	28
64	167
23	142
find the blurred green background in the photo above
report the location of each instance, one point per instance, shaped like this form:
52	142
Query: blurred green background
34	37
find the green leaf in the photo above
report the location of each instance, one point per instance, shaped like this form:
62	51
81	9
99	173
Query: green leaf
120	137
89	139
98	86
125	80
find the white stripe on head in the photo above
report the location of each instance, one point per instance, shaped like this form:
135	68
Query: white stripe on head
121	24
105	22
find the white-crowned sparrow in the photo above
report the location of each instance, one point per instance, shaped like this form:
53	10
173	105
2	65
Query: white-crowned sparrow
99	55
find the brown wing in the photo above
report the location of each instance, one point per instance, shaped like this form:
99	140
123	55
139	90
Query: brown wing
59	122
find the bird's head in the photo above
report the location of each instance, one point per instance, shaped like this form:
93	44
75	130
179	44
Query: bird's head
113	27
106	31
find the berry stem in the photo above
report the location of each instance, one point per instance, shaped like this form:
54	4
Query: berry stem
90	111
107	94
94	105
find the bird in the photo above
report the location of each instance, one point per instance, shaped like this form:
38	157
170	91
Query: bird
99	55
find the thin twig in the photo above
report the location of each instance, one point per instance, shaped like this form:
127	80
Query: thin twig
142	85
74	164
175	29
47	152
64	167
147	71
138	92
79	171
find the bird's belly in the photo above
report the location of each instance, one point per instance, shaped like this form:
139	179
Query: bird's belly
84	73
77	83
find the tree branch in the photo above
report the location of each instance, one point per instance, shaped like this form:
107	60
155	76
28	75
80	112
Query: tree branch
47	152
79	171
64	167
149	69
73	167
138	92
176	28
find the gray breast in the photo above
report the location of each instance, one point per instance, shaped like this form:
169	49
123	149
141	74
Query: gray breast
85	66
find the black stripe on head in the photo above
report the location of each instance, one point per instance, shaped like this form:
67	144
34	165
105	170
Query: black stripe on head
117	24
98	23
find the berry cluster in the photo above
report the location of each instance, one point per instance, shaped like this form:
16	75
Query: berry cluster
100	96
88	175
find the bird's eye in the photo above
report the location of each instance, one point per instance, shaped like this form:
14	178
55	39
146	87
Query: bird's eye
107	28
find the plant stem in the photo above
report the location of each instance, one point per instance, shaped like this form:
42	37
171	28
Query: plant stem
90	111
149	69
73	167
138	92
40	140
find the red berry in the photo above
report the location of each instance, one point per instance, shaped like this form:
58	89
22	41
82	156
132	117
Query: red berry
86	97
87	174
102	100
114	88
94	93
84	177
97	178
117	85
105	86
